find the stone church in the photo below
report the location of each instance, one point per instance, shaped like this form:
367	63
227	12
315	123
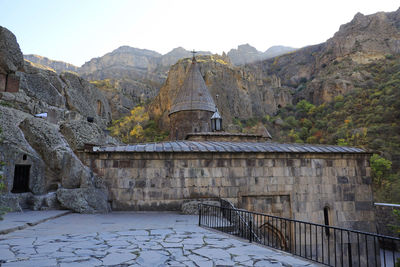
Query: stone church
202	162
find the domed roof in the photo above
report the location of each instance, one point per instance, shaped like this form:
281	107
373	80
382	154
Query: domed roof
194	94
216	115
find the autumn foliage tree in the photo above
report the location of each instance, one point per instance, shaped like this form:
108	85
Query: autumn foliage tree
137	127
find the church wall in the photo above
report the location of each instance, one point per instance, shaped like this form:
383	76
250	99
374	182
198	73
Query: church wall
296	185
189	121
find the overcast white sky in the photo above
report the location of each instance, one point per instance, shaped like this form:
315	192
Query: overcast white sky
75	31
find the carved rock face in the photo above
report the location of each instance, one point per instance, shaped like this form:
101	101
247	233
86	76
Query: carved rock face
37	145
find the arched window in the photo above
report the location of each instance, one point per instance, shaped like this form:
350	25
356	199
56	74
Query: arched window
326	219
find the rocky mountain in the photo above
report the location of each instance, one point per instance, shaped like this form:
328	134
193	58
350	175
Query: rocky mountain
135	75
73	113
129	76
319	73
58	66
316	73
278	50
246	54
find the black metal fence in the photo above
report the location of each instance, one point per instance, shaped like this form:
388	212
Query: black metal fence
328	245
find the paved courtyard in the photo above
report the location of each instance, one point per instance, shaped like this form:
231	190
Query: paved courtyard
127	239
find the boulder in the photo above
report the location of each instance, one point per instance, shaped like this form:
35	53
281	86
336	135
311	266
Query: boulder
192	207
11	58
84	200
9	203
62	165
43	202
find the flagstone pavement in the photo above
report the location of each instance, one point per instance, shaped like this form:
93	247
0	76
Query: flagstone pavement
129	239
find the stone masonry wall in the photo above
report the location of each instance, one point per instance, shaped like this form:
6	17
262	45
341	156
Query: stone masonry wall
287	184
189	121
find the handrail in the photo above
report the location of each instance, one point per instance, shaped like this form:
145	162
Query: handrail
387	205
313	224
240	217
329	245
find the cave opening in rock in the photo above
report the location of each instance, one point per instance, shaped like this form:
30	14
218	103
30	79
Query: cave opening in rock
21	179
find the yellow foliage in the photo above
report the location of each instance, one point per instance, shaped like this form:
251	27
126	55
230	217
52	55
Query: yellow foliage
137	131
276	61
220	61
138	114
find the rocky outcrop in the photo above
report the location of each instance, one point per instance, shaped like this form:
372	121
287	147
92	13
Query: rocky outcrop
58	66
80	132
124	56
319	73
84	200
37	145
124	94
63	97
373	35
11	58
86	99
14	150
62	166
245	54
135	75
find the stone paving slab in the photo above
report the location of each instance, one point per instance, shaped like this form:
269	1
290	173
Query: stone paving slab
14	221
133	239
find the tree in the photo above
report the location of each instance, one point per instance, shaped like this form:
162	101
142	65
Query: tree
380	169
137	127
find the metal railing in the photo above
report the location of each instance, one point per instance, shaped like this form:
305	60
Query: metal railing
324	244
237	221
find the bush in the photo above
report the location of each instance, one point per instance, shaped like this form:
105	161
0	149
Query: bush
380	168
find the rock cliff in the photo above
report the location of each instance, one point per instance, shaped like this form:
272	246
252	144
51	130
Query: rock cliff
46	145
11	58
319	73
58	66
129	76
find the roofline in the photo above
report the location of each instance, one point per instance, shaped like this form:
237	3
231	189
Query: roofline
233	152
194	109
229	147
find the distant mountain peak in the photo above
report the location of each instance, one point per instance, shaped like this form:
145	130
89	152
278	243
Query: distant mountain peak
246	53
136	51
247	47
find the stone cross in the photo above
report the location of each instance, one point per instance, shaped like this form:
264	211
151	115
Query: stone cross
193	52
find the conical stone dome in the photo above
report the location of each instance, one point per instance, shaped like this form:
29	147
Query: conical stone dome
194	94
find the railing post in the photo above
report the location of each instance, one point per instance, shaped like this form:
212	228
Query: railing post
251	231
199	214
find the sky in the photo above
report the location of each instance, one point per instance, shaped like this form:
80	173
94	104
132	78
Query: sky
75	31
